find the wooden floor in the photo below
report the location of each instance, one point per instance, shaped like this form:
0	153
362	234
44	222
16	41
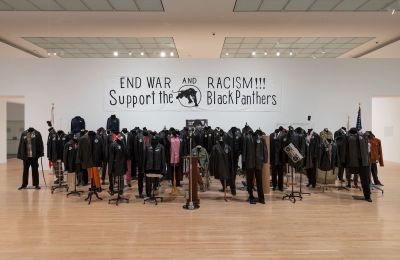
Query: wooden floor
331	225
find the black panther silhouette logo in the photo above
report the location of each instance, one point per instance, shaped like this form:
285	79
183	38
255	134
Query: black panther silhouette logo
189	96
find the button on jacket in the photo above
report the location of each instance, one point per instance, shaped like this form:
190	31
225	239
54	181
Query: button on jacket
37	147
221	162
375	154
155	159
90	151
117	159
77	124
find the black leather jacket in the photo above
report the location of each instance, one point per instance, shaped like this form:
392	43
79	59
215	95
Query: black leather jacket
69	155
277	141
357	150
312	151
234	139
77	124
329	157
36	142
55	145
341	143
155	159
185	140
221	162
90	151
117	158
255	152
208	139
113	124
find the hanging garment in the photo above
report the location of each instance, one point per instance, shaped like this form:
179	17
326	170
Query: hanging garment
326	136
375	154
155	159
77	124
208	139
312	150
175	148
30	145
329	158
94	176
117	159
55	145
341	142
357	150
113	124
202	154
221	162
90	151
69	155
277	143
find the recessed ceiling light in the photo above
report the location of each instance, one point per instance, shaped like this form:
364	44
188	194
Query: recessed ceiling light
226	53
171	54
278	54
323	52
393	11
142	54
291	53
162	54
55	53
115	53
49	53
130	53
253	53
265	53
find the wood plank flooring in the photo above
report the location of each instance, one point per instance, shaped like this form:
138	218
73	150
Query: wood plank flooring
331	225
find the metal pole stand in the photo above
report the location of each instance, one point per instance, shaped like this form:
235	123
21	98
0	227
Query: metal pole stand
119	197
74	192
293	194
92	190
189	203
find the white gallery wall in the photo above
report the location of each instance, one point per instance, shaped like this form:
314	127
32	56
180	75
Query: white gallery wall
386	125
328	90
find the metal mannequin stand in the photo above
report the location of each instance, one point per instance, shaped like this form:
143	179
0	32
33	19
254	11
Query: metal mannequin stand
189	203
119	197
74	192
92	191
293	194
153	177
60	176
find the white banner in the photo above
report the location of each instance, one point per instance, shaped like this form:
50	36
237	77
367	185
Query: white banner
212	93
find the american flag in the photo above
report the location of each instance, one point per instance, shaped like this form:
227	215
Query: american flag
359	125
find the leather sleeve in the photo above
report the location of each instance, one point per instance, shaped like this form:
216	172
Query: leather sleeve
20	154
381	163
265	153
111	160
40	146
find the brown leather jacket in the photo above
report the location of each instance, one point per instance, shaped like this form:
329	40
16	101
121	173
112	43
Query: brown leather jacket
376	151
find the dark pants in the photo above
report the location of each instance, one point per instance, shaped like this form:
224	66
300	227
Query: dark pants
175	168
355	171
231	183
34	164
365	181
340	173
312	176
374	171
103	171
134	169
277	176
140	180
85	177
235	163
250	174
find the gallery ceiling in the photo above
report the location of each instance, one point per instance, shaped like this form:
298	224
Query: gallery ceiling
200	29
